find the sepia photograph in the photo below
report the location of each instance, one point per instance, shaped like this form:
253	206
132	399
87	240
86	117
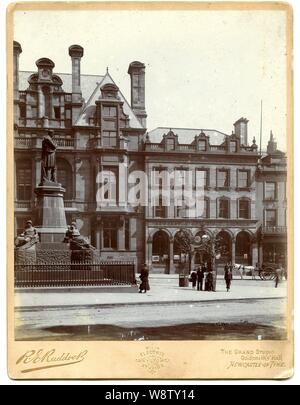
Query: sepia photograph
150	174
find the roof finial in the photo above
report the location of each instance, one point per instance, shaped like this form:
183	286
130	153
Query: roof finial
106	69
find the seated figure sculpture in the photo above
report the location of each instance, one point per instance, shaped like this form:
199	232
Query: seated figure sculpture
81	249
77	241
28	238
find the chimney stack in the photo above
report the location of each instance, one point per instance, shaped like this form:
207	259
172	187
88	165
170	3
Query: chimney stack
241	130
76	53
137	76
17	51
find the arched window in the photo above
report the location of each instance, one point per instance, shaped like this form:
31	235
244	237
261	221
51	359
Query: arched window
24	180
244	208
65	177
223	208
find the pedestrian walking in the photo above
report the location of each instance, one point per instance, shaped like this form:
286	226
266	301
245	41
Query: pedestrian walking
227	277
200	277
277	277
194	278
144	286
209	281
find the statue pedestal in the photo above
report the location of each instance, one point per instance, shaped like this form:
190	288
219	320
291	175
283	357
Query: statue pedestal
50	215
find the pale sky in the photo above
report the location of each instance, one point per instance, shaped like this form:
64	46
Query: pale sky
204	69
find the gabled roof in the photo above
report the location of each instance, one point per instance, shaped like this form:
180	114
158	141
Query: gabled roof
186	135
89	109
90	87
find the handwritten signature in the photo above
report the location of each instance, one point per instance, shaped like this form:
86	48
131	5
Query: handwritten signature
42	359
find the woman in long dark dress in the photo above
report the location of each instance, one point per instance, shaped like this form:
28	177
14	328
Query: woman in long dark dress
144	286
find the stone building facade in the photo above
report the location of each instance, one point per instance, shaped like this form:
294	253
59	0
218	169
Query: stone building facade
103	140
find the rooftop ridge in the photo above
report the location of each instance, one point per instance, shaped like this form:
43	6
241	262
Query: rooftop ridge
189	129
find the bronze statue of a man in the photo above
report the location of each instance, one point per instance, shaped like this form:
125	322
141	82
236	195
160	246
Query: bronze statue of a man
48	163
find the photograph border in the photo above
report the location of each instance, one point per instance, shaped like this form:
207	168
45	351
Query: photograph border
152	359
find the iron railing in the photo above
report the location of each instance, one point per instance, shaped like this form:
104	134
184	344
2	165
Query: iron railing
74	274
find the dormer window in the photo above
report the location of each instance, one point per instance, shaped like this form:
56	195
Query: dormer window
171	144
232	146
202	145
109	90
201	141
109	111
170	140
109	125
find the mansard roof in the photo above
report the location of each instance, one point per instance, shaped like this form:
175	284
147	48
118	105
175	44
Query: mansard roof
187	135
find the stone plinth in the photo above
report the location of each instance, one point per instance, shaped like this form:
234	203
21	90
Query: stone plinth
25	256
50	216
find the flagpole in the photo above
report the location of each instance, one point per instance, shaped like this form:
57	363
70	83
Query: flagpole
261	113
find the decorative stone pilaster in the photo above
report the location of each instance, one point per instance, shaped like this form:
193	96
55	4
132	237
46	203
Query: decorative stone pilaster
171	259
233	251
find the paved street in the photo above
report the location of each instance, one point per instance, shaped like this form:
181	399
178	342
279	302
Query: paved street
253	309
164	289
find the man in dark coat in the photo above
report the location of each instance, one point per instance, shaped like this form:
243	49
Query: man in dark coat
200	276
48	163
227	276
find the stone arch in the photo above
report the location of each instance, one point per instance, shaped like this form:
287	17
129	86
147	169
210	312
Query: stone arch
153	232
203	231
161	245
248	231
243	247
225	237
225	230
177	249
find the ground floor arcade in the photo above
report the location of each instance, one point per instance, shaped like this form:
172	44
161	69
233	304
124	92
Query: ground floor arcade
163	252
